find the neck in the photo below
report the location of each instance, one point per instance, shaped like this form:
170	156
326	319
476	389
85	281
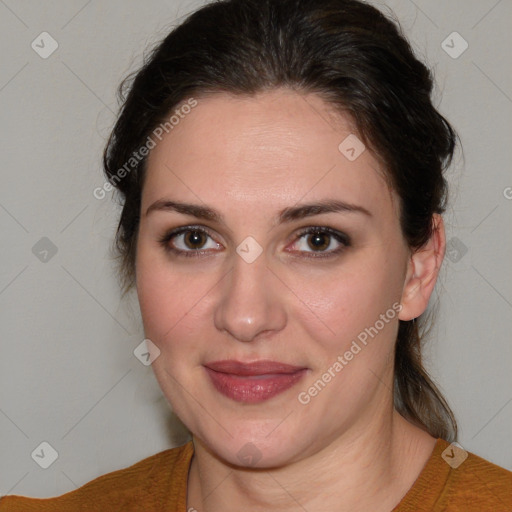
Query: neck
368	468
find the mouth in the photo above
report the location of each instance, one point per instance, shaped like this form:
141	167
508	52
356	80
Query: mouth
253	382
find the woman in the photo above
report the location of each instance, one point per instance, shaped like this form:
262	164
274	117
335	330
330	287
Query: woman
281	166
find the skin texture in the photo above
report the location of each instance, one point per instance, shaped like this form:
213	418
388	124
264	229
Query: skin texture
249	158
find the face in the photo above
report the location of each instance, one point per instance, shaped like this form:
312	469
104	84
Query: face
240	279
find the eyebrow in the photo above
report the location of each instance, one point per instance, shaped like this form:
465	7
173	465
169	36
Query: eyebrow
286	215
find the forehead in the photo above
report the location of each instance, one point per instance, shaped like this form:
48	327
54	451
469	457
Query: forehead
275	147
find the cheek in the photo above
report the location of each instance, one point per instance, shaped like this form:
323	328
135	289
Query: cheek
167	300
169	305
361	309
158	292
174	304
335	309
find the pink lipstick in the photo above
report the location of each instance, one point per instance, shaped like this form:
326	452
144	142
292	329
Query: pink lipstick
253	382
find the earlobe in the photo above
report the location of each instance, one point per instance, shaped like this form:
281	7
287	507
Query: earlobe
422	272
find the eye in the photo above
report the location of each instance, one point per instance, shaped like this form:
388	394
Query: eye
319	239
190	241
190	238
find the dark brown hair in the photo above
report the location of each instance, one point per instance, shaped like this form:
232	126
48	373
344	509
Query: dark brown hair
351	55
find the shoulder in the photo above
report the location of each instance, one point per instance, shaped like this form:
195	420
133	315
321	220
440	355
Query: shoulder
151	482
478	484
455	480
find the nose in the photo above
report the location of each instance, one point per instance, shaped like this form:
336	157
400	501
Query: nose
251	302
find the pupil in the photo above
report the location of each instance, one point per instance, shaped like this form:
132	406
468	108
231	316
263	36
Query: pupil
195	238
317	241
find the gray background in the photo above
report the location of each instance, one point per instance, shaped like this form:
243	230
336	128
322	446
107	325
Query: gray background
68	375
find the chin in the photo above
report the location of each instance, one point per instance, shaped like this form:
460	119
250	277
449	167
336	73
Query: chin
253	447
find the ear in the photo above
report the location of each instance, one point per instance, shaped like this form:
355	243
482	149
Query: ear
422	271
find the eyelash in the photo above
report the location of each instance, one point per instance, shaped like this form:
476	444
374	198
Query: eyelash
311	230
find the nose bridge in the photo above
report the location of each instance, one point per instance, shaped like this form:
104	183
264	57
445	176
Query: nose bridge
249	302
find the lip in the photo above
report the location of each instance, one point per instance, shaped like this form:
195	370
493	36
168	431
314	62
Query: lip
253	382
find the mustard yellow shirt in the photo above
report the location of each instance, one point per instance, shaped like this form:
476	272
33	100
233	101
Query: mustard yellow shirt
159	483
